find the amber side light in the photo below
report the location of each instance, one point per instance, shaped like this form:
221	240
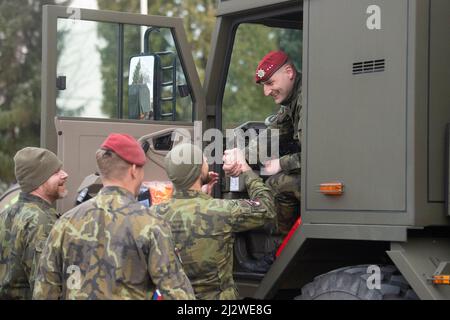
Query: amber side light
332	188
441	279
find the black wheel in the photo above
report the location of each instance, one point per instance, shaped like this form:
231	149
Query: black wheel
351	283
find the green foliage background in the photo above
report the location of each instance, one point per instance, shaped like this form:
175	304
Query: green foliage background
20	77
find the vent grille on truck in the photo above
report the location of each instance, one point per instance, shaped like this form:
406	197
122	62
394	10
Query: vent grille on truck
369	66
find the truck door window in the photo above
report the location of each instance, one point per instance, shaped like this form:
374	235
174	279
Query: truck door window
90	55
83	89
243	99
173	97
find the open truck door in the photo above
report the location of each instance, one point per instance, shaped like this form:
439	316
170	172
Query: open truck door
103	73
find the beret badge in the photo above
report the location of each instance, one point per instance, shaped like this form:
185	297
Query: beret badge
261	73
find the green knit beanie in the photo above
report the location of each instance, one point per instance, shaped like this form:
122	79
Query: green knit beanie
184	165
33	167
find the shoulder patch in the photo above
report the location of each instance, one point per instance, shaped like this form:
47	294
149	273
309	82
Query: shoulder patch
253	203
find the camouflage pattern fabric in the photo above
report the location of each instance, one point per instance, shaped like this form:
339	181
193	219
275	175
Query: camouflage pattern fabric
289	121
203	230
110	247
286	189
286	184
24	228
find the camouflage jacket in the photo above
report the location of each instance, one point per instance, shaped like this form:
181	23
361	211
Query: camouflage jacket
110	247
24	228
203	230
288	121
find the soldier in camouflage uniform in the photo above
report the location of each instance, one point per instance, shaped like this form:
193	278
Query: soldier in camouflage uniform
203	227
24	227
112	247
280	80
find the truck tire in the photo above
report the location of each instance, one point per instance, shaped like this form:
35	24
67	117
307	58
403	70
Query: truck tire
350	283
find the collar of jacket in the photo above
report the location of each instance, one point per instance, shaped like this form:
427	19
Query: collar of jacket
116	191
113	198
190	194
295	90
47	207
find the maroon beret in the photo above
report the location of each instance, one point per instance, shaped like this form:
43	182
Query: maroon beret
269	64
126	147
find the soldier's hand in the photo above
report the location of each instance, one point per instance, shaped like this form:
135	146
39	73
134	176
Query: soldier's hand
212	180
232	169
272	167
234	162
229	157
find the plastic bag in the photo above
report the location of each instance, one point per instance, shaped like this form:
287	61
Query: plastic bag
160	191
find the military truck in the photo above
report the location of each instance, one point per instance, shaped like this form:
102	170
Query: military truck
375	74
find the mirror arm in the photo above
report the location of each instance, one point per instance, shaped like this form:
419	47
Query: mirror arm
147	39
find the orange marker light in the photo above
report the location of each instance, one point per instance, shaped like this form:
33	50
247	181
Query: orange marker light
441	279
332	188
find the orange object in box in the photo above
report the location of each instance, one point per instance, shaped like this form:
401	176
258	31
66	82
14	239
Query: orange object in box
160	191
441	279
331	188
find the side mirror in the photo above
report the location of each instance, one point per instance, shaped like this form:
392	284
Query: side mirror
141	87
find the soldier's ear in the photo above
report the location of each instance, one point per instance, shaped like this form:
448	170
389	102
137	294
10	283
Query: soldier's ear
133	171
290	71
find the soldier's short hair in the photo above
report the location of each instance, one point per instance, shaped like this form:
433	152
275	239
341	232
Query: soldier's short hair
110	165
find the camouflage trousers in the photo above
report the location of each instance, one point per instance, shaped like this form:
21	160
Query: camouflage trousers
286	189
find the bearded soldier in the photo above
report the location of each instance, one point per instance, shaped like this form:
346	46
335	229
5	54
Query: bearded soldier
24	227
